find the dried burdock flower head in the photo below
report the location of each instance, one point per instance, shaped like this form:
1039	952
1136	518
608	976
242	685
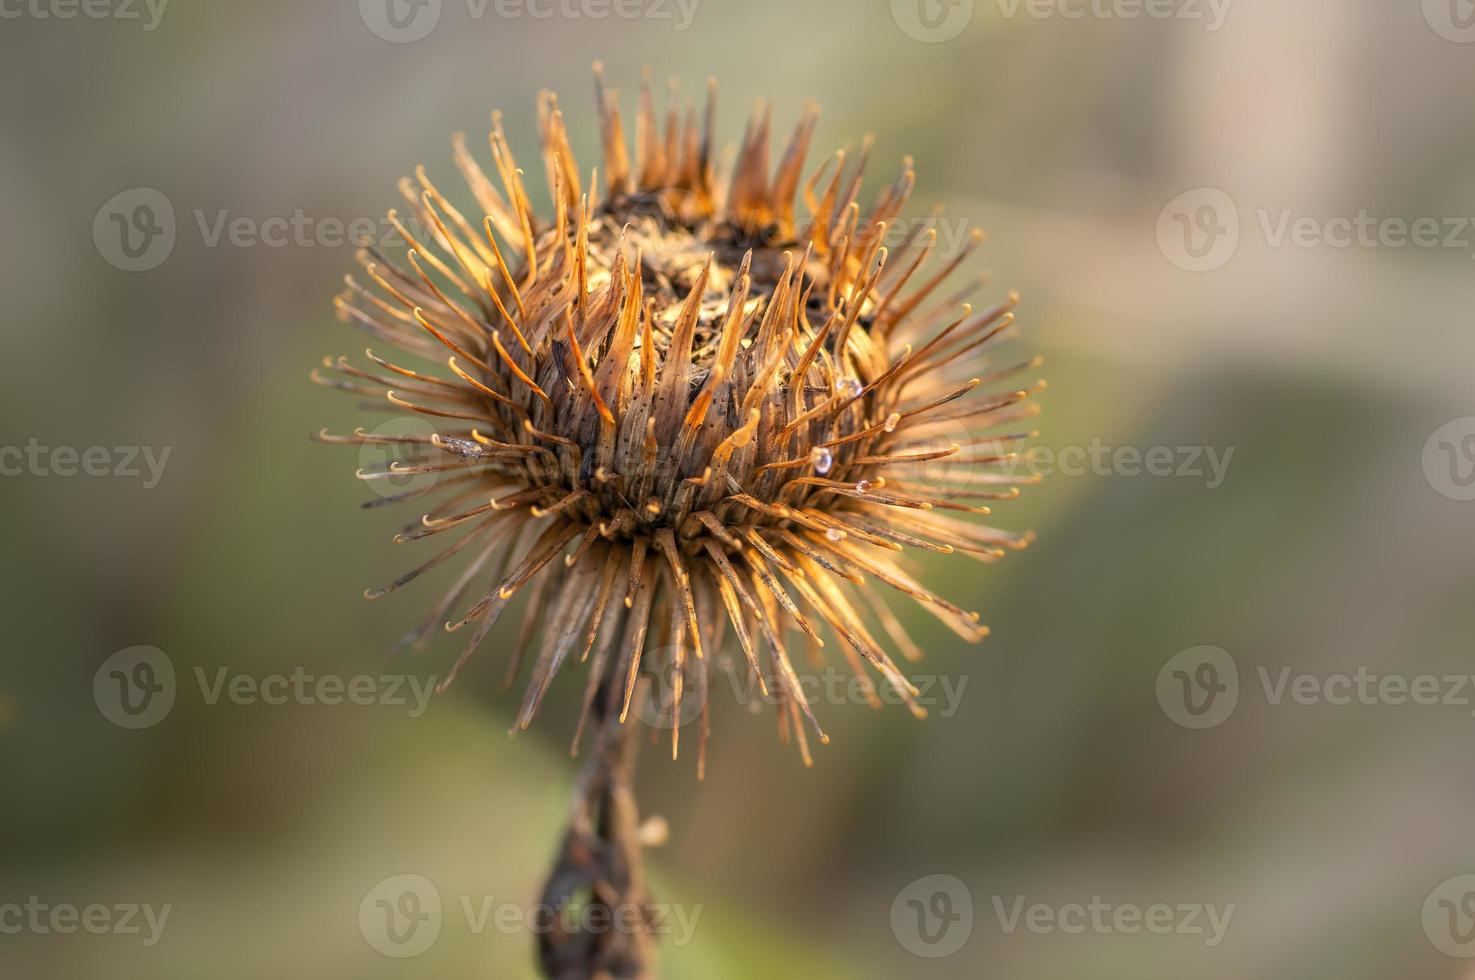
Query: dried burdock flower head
672	408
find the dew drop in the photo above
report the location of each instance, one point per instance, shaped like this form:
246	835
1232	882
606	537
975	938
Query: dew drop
850	387
823	460
892	421
835	534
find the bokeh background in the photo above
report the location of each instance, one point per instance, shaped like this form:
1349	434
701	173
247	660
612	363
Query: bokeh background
1332	543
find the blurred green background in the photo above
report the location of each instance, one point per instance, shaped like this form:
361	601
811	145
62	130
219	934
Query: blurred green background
1329	545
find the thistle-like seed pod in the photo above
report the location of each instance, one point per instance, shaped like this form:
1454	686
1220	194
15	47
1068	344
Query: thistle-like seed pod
673	408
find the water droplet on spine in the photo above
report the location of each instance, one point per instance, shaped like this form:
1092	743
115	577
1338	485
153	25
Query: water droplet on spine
892	421
823	460
835	534
850	387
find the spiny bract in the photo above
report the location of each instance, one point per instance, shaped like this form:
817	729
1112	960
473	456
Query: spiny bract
714	412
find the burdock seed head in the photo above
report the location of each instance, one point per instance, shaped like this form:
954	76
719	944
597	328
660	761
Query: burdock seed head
675	405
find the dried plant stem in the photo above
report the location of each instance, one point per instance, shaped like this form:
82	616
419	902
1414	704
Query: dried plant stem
598	871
